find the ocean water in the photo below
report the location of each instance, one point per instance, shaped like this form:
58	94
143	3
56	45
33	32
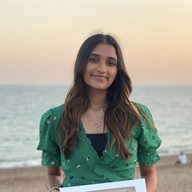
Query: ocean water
22	106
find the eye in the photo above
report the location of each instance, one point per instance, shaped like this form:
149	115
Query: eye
111	62
93	59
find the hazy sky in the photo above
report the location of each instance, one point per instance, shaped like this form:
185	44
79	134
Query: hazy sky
39	39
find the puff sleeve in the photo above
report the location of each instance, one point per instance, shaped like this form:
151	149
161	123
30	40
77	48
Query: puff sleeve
48	145
149	140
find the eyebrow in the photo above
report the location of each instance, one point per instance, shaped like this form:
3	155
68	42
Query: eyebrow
97	55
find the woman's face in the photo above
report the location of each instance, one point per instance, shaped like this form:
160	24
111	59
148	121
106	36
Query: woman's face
101	68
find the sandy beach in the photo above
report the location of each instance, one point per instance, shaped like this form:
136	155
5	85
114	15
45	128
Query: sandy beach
171	177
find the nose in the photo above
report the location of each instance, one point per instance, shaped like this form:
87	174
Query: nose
101	67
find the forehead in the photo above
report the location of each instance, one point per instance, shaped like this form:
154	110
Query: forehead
105	50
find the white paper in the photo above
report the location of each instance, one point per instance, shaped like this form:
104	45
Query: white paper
136	185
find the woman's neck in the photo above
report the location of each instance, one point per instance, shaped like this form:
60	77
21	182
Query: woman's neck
97	99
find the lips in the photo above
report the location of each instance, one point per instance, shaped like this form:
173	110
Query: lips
100	77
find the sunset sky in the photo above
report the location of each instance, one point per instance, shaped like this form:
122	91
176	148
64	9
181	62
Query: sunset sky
39	39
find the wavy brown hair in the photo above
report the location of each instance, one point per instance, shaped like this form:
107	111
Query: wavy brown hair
120	115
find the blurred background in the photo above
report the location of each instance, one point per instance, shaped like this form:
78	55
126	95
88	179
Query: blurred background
39	41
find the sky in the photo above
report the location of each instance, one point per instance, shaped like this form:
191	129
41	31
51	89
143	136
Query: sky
39	39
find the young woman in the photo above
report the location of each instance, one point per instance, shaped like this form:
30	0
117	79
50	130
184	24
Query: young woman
98	135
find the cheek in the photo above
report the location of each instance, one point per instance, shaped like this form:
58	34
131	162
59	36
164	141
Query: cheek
86	75
114	73
87	70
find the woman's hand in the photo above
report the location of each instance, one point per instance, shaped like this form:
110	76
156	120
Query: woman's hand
54	190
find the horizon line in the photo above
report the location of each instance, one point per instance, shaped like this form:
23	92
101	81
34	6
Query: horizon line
70	85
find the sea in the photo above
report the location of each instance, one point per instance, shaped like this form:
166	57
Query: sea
21	107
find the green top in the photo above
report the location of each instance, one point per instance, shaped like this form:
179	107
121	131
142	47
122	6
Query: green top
84	166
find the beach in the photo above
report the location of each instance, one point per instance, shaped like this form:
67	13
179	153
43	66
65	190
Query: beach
171	177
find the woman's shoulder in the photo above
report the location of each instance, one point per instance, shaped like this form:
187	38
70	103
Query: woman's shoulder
141	106
146	131
51	116
48	124
144	112
145	115
50	119
54	111
58	110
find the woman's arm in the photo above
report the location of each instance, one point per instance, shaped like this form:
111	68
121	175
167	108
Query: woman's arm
150	175
55	177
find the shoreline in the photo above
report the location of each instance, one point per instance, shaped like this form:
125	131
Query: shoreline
171	177
16	165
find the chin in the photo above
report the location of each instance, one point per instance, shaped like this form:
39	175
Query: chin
99	88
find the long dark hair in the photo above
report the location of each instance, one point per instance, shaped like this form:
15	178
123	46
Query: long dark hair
120	115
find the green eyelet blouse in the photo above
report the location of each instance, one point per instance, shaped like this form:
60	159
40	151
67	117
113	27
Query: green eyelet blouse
84	165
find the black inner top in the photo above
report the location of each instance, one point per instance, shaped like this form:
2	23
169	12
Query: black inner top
98	141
